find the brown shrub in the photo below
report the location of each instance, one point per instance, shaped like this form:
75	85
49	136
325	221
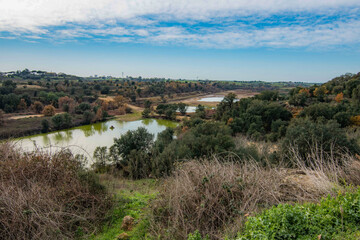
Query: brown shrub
210	195
216	196
121	110
67	103
328	168
46	196
37	107
99	115
22	105
49	110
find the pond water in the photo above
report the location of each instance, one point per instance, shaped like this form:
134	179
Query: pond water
211	99
214	99
190	109
85	139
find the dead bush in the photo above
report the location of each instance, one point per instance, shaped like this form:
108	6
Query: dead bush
210	195
330	168
47	196
215	197
49	110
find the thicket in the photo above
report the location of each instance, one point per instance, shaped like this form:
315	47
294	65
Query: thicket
61	121
217	195
307	137
137	155
45	196
255	117
209	196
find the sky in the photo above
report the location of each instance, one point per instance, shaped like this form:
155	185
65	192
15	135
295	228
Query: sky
268	40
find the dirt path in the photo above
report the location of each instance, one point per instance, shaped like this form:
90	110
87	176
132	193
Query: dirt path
135	108
28	116
25	116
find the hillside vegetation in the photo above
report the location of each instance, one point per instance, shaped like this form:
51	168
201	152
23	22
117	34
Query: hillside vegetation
274	166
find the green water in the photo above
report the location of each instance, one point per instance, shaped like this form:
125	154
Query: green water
84	139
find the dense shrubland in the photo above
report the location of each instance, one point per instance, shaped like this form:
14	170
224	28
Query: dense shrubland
45	196
216	196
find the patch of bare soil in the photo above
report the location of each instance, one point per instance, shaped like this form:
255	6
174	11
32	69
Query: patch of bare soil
25	116
29	86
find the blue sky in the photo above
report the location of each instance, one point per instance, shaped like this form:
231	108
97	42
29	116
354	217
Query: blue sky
269	40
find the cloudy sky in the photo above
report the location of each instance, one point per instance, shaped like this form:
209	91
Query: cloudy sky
270	40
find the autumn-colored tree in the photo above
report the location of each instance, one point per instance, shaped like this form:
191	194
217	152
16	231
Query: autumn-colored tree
67	104
121	110
49	110
37	107
339	97
320	92
22	105
99	115
112	105
105	105
305	91
120	100
355	120
230	121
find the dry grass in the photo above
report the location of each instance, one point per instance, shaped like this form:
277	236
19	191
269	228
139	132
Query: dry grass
47	196
209	195
328	168
216	196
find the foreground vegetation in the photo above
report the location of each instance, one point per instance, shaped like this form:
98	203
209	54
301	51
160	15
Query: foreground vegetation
332	218
274	166
45	196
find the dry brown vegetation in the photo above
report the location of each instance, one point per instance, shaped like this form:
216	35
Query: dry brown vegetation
215	197
46	196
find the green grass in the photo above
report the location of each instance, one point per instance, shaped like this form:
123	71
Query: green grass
132	198
333	218
130	116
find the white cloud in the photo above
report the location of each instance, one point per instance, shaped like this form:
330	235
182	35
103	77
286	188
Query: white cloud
150	21
31	15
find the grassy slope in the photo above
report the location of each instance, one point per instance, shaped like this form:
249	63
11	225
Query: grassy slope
132	198
130	117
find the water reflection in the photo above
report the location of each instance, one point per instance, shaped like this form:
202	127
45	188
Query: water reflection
85	139
146	122
214	99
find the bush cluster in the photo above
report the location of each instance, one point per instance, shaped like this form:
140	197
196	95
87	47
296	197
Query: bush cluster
331	218
46	196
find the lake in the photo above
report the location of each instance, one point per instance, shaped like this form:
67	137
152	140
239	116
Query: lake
85	139
190	109
214	99
211	99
